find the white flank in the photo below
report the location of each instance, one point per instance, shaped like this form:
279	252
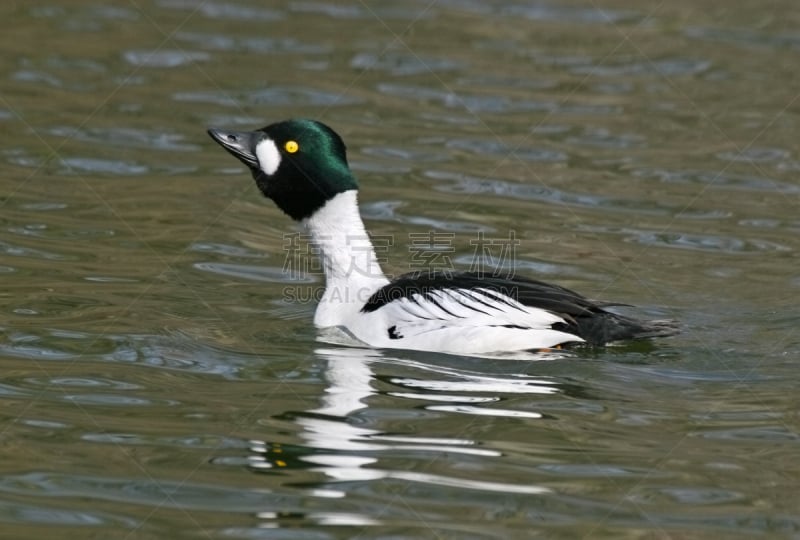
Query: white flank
269	158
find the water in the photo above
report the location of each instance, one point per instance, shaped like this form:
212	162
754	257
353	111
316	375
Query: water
160	377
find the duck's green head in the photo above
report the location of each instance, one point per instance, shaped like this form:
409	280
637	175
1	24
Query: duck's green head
299	164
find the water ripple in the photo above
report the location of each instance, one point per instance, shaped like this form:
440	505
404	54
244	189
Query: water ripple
126	137
39	515
569	14
497	148
251	44
387	211
211	442
37	77
765	434
226	250
270	274
668	68
330	9
599	470
692	241
103	166
339	11
463	184
494	103
755	155
546	12
274	97
686	495
21	251
603	138
402	64
144	491
717	179
115	400
176	351
405	154
510	266
224	10
83	382
745	37
163	58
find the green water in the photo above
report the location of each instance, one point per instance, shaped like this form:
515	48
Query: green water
160	374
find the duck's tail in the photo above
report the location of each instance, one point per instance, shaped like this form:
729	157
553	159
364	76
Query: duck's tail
605	327
656	328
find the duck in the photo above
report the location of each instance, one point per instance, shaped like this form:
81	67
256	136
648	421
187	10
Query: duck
301	165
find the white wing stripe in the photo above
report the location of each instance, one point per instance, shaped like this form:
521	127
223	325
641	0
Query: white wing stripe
449	304
497	297
458	295
474	297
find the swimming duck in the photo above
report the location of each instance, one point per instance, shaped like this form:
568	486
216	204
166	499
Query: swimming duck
302	166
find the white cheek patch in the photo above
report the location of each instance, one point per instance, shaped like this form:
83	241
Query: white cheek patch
269	159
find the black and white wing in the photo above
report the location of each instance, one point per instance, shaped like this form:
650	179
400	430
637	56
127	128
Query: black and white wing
425	310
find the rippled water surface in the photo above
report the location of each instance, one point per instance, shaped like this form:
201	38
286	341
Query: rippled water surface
160	375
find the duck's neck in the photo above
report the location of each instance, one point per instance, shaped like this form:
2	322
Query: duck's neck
352	272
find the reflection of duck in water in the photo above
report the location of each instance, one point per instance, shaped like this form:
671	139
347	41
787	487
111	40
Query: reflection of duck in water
302	166
345	464
334	444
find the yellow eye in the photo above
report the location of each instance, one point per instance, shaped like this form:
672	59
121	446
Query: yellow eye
291	146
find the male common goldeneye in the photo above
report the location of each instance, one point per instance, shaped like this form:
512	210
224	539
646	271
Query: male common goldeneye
302	166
